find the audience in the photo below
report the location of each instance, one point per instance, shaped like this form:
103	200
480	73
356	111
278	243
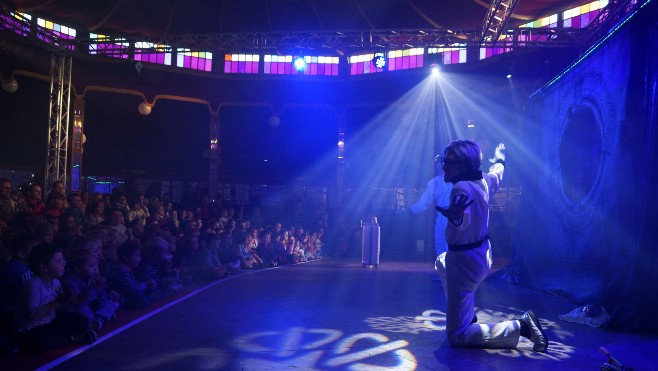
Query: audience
122	256
37	324
94	305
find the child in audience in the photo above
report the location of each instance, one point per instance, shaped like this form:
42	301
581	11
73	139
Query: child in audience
136	294
136	212
248	258
37	326
45	232
229	253
96	306
196	258
14	275
157	266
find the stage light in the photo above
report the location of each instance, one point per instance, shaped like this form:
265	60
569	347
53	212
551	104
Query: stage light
144	108
509	76
436	71
379	60
10	86
299	63
274	121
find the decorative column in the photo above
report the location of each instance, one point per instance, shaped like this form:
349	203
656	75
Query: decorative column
77	140
214	159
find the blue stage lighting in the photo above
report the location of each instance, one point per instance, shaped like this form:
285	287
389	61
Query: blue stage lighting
436	71
379	60
299	63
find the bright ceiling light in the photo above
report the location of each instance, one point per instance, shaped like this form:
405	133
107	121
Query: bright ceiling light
299	63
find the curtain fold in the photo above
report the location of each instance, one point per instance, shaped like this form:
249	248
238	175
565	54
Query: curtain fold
587	222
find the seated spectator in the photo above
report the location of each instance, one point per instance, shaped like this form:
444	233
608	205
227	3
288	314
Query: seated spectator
136	229
93	305
295	250
136	212
229	253
110	260
15	274
67	231
8	206
136	294
196	259
76	211
45	232
54	206
116	221
34	199
120	202
266	249
96	213
36	324
157	266
211	241
249	259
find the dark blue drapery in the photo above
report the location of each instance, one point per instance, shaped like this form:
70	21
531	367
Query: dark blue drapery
588	219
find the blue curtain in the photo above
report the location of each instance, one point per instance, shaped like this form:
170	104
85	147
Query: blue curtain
588	219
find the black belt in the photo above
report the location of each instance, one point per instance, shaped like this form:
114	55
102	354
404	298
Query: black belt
467	246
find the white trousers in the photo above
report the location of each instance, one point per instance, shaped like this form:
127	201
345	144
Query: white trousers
461	273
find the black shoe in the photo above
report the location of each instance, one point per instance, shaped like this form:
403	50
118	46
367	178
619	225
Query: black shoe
85	337
537	335
96	324
475	319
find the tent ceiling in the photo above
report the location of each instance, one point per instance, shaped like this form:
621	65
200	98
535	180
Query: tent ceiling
202	17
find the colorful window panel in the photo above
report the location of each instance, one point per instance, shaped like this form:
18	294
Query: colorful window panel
362	64
546	22
105	45
451	55
55	32
405	59
152	53
319	65
201	61
278	65
491	52
581	16
241	63
16	22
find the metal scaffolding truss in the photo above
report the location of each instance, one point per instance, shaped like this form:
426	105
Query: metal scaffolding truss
309	43
346	42
58	120
493	33
496	19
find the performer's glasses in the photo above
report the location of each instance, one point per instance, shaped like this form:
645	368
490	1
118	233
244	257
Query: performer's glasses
445	162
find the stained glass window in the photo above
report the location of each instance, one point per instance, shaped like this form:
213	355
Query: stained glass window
108	46
201	61
152	53
362	64
17	22
581	16
54	32
450	55
241	63
314	65
546	22
405	59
